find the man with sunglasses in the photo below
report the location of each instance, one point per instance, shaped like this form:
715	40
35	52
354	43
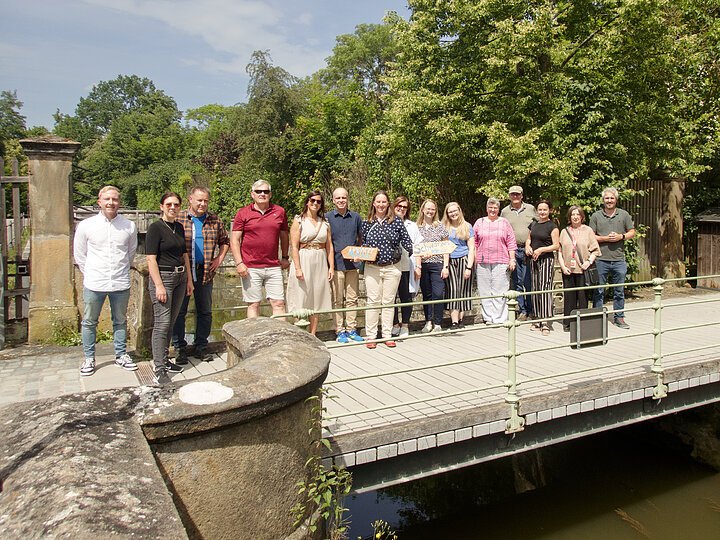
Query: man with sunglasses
256	230
346	231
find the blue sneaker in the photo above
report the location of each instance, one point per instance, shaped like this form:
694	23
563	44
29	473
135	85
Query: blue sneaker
355	336
343	337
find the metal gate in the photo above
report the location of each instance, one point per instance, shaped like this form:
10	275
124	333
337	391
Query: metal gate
15	245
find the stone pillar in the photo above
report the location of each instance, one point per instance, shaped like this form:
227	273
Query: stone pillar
233	445
52	299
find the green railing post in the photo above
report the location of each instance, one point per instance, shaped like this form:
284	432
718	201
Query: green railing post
516	422
661	388
302	316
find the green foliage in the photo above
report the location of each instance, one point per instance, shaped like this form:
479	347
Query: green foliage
632	252
65	334
561	98
12	123
324	489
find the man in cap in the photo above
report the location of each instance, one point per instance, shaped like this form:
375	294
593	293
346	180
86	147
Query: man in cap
520	215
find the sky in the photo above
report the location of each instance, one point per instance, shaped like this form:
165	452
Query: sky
52	52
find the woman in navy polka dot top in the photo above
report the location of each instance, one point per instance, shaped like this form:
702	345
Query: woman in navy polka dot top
385	231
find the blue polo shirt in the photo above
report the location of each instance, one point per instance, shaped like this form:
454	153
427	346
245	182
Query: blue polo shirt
345	231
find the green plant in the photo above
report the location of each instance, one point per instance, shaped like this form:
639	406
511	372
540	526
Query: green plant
65	333
324	489
382	531
106	336
632	251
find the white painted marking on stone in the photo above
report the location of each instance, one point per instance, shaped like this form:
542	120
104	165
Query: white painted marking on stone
463	434
714	377
544	416
481	429
638	394
573	408
498	426
601	402
683	385
530	418
366	456
587	406
625	397
387	451
345	460
205	393
447	437
558	412
405	447
704	379
694	381
673	386
426	442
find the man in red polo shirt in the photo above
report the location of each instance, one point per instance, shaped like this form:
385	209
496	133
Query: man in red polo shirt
256	230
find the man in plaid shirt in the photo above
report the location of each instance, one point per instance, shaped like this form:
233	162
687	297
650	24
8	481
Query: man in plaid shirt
205	235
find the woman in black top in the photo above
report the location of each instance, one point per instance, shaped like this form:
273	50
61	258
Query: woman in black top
542	243
169	268
385	231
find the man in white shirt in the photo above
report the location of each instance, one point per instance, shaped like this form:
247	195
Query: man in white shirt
104	247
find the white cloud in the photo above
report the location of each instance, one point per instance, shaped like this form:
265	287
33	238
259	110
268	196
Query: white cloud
233	27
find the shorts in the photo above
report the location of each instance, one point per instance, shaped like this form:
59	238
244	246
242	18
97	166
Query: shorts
271	278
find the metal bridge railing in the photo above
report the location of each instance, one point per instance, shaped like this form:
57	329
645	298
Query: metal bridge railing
515	422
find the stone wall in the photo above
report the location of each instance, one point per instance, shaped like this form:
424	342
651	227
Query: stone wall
217	457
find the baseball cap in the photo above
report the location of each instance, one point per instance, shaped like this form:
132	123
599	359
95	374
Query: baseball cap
515	189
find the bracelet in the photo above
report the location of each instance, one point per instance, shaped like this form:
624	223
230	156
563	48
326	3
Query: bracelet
238	264
285	258
623	236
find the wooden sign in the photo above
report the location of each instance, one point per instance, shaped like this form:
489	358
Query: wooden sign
364	253
425	249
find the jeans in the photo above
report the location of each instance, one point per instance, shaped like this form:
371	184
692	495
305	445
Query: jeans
611	272
164	315
203	314
433	288
522	281
94	301
405	296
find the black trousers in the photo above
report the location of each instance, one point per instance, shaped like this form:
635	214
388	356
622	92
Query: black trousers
574	299
405	296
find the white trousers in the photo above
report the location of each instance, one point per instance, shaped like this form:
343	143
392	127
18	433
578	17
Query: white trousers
381	285
493	279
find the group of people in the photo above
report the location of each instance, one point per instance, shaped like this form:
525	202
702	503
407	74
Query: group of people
185	247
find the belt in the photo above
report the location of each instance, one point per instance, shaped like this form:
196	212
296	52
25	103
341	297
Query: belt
312	246
388	263
172	269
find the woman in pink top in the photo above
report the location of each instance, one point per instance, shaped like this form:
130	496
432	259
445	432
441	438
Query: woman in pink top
495	258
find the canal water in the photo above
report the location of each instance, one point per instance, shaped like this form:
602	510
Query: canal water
630	483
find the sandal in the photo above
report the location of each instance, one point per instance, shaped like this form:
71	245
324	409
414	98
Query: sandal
545	331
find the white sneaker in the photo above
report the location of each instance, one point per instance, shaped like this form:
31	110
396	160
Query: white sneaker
395	332
427	328
126	362
436	329
404	332
88	367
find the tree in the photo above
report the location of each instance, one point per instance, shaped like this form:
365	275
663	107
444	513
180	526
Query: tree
12	123
562	97
106	102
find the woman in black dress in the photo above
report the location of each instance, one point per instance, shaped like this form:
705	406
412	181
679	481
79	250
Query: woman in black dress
542	243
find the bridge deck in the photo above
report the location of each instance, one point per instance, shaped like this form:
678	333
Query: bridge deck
471	385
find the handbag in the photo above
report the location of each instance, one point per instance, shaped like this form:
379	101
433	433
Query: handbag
592	277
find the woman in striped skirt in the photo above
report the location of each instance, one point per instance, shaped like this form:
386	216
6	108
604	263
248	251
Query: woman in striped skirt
542	243
459	283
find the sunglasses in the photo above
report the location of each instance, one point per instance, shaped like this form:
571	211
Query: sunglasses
403	206
171	204
315	201
262	191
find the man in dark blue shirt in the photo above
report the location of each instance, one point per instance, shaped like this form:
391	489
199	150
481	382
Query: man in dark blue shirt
345	226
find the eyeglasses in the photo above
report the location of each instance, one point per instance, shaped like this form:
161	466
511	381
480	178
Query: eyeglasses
172	204
402	206
315	201
262	191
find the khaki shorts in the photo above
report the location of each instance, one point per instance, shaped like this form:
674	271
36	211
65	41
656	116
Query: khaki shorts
270	278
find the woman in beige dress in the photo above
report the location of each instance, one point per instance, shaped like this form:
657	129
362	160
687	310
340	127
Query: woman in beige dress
313	259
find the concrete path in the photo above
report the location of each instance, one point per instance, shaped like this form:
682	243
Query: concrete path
41	371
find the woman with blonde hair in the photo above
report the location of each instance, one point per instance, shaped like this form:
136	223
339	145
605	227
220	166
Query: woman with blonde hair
432	270
385	231
459	283
313	259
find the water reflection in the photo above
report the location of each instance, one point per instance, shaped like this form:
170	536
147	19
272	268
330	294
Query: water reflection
626	484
